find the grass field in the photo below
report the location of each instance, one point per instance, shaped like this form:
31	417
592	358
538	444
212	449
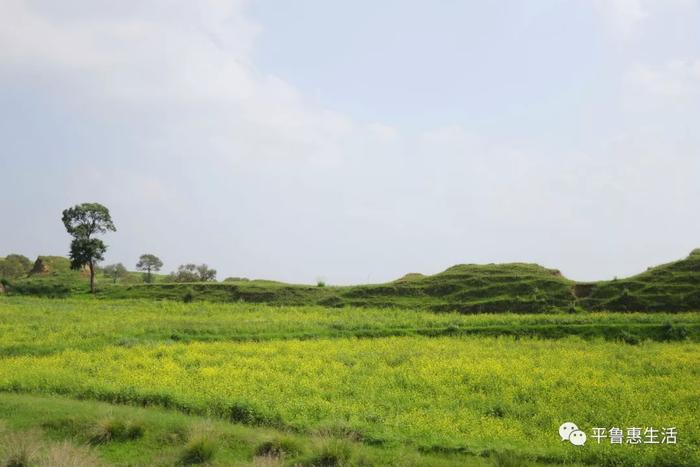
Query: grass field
356	385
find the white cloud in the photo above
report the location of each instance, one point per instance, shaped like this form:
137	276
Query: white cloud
623	16
676	80
207	158
190	58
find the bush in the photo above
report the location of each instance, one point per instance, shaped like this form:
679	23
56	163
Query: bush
629	338
199	449
188	297
14	266
674	333
242	412
573	308
192	273
331	454
320	283
111	429
278	447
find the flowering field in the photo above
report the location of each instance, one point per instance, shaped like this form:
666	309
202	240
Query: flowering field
452	395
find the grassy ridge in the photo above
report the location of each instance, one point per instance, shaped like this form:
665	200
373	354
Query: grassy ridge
515	287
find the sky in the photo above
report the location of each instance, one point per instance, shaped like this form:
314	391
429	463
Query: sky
357	141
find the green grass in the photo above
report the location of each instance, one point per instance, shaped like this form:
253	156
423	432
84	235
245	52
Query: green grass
41	326
494	288
48	423
424	388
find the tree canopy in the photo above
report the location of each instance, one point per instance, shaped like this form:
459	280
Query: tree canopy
148	262
82	221
14	266
87	219
115	271
193	273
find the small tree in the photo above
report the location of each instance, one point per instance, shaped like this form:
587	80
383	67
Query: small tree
115	271
206	273
193	273
82	222
185	273
14	266
148	262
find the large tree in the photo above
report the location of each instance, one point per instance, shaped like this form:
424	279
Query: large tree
148	263
83	222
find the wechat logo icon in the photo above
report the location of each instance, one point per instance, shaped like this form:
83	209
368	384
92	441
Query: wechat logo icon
569	432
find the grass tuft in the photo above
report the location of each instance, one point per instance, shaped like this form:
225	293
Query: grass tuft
199	449
20	449
278	447
66	454
331	453
111	429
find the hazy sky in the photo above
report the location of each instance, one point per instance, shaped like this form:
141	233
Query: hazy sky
359	140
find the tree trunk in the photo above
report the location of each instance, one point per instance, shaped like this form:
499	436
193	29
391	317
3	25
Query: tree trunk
149	275
92	277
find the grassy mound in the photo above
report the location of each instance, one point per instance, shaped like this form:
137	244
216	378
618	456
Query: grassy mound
466	288
672	286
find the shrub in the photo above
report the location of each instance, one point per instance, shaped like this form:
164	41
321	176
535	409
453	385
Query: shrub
496	411
175	434
192	273
340	429
200	449
573	308
629	338
111	429
320	283
674	333
188	297
14	266
331	454
278	447
243	412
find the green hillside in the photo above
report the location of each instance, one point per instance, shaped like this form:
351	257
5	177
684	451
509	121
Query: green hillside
466	288
672	286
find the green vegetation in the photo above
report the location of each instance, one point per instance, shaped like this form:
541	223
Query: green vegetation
517	287
51	431
83	222
476	365
14	266
149	263
115	272
304	385
44	326
192	273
